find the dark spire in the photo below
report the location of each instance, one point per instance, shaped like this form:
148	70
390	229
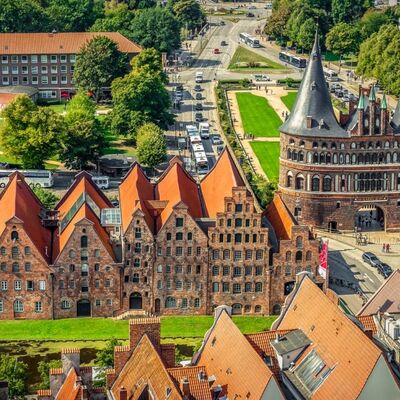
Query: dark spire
312	113
395	122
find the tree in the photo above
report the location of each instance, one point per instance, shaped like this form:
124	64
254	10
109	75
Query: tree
14	372
98	63
276	23
372	21
150	60
48	198
139	97
29	133
349	10
343	39
157	28
305	38
44	370
189	14
83	141
105	359
151	145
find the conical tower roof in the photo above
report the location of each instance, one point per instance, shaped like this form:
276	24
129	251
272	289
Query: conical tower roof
313	100
384	102
395	122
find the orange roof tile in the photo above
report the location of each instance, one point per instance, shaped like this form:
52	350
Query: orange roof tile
134	190
145	367
337	340
280	218
18	200
58	43
219	182
229	356
199	389
70	390
368	323
386	298
175	186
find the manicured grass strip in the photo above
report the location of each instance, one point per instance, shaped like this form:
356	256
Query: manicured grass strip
268	155
289	99
258	117
104	328
244	56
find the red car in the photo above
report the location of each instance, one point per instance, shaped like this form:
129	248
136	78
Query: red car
216	51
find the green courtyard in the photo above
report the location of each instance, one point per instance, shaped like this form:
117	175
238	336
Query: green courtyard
257	115
246	60
289	99
268	155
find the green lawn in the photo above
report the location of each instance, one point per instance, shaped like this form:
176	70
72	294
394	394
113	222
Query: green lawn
243	57
268	155
258	117
103	328
289	99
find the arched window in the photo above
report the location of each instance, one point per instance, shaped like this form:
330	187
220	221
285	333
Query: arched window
135	278
14	235
341	158
360	159
387	144
388	158
309	157
276	309
179	236
324	146
322	158
315	145
315	183
297	270
300	182
3	251
328	158
289	154
71	253
327	184
289	179
236	308
190	236
300	156
170	302
169	236
353	145
301	144
18	306
335	158
353	159
299	242
84	241
315	158
299	256
308	255
347	158
257	308
259	286
294	155
291	141
333	146
288	256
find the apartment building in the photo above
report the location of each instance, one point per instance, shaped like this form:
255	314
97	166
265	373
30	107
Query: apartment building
46	60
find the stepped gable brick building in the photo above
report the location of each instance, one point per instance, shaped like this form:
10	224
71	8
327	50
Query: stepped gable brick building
25	276
340	176
46	60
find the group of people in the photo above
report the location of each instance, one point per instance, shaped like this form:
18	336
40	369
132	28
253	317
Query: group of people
386	247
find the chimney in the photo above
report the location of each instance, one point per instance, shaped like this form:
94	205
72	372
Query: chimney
123	394
70	358
185	390
3	391
140	326
309	122
121	355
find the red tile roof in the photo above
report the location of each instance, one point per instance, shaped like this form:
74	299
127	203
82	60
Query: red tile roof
18	200
134	191
58	43
368	323
70	390
199	389
280	218
175	186
386	298
337	340
218	183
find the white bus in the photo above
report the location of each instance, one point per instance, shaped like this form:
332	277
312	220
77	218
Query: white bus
103	182
331	76
201	163
195	140
251	41
35	178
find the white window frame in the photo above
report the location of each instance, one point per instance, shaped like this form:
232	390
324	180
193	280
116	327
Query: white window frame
4	286
34	58
18	285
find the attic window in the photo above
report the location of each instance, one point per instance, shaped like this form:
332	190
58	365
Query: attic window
168	392
14	235
321	123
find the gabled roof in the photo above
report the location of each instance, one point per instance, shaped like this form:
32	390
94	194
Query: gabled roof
134	191
70	390
313	100
58	43
175	186
343	347
385	299
18	200
199	388
280	218
219	182
145	366
228	355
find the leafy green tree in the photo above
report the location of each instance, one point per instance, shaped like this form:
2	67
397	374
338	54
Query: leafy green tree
276	23
30	133
156	27
305	38
14	372
139	97
150	60
372	21
151	145
189	14
98	63
83	141
343	39
22	16
105	359
349	10
44	369
47	197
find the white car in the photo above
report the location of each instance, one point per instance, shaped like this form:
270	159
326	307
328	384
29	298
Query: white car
216	140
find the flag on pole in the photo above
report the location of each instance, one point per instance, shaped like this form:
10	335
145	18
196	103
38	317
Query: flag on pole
323	260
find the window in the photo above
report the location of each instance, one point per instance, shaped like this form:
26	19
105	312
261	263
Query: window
159	284
238	222
327	184
29	285
14	252
258	287
225	270
18	306
288	256
308	255
215	270
228	238
107	283
179	222
138	233
14	235
190	236
1	306
72	253
168	269
71	284
288	270
299	242
259	271
247	287
96	253
196	302
135	278
247	270
84	241
34	80
188	269
24	69
14	59
18	285
237	255
178	285
188	285
168	251
248	254
215	254
15	267
71	268
43	58
63	58
198	251
178	269
237	271
138	247
238	238
259	254
34	59
159	268
45	80
61	285
3	251
170	302
229	222
43	69
184	303
198	269
237	288
4	285
65	305
27	251
4	59
42	285
238	207
3	267
215	287
72	58
178	251
299	256
85	270
227	254
53	58
38	306
169	236
64	79
5	80
179	236
136	262
225	287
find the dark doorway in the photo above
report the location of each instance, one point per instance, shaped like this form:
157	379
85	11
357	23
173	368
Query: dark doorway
157	306
369	218
332	226
135	301
83	308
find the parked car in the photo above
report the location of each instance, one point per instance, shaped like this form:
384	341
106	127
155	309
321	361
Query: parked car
222	23
250	15
216	51
251	7
384	269
371	259
199	117
223	43
216	139
178	95
198	106
197	88
198	96
179	86
220	148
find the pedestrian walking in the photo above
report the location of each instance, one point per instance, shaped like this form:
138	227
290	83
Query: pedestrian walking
387	248
383	247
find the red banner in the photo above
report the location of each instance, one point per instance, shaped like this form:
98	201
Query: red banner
323	260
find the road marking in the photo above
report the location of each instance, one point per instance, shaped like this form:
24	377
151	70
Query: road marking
368	277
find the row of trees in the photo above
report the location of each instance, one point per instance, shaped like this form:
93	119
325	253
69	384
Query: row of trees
143	21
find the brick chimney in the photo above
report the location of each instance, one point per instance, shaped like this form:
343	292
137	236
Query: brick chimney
140	326
84	393
309	121
121	355
56	379
123	394
168	354
184	387
70	358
